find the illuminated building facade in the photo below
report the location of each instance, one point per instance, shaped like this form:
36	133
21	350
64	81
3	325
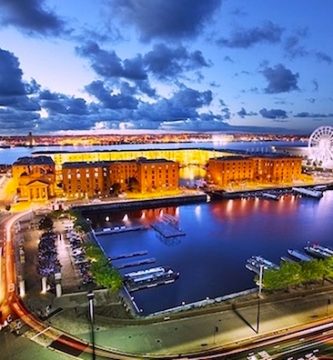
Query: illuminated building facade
157	175
224	171
83	179
35	178
96	179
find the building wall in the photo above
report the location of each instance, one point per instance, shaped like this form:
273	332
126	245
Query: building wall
86	181
158	176
223	172
120	172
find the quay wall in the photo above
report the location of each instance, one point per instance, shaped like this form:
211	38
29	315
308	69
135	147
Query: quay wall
141	204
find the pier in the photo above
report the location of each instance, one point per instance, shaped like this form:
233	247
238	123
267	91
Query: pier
255	262
267	195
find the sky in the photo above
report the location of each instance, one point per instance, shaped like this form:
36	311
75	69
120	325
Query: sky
171	65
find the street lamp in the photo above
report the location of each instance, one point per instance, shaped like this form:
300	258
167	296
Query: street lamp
261	271
90	297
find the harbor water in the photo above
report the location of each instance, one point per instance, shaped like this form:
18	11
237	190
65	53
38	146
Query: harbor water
219	238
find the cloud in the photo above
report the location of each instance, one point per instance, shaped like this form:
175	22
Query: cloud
243	113
315	85
293	47
14	92
111	100
306	114
246	38
168	20
280	79
166	62
273	113
108	64
56	103
323	57
30	16
228	59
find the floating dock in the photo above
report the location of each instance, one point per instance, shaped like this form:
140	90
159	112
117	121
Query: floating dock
156	278
126	256
287	259
168	227
120	229
308	192
136	263
299	255
267	195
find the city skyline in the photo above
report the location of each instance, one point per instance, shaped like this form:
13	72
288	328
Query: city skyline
155	65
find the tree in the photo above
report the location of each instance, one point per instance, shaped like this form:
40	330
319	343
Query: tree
133	184
46	223
115	189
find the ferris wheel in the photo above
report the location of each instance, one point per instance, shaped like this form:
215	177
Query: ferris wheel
321	145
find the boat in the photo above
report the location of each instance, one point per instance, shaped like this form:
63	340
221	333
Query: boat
145	272
287	259
299	255
255	262
316	252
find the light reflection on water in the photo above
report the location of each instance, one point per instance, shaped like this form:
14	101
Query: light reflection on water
220	237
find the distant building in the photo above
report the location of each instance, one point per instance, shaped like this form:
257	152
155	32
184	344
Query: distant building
35	178
225	171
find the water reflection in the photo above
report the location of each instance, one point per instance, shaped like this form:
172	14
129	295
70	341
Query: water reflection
220	237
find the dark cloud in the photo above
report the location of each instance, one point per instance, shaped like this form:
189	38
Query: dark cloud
243	113
171	19
108	64
323	57
280	79
14	92
30	16
315	85
182	105
17	120
293	47
273	113
306	114
245	38
111	100
165	62
56	103
311	100
228	59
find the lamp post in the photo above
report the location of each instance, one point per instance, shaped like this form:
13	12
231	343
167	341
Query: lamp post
91	296
261	271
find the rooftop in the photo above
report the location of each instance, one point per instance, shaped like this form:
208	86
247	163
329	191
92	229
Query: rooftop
36	160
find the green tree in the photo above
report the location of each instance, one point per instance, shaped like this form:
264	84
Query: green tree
46	223
115	189
133	184
314	270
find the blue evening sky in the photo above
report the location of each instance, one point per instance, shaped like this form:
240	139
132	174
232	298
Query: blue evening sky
216	65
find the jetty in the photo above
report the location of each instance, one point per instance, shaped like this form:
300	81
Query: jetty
308	192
